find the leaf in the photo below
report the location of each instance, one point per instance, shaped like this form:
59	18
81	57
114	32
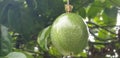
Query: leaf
99	46
93	11
54	51
96	8
16	55
28	55
105	35
43	38
117	45
98	21
107	18
82	12
110	16
5	41
83	54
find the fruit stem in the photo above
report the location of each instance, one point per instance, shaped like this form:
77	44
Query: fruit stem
68	7
68	2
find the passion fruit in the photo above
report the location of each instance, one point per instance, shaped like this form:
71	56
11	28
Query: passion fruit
69	34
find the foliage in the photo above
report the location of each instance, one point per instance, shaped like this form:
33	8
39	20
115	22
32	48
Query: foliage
24	21
5	41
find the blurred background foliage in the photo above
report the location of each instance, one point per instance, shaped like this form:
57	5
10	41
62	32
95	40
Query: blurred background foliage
25	27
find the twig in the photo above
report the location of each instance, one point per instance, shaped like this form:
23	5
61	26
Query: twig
113	2
100	38
103	27
100	43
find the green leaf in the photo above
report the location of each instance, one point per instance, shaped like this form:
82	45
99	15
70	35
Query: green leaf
103	34
82	12
110	16
117	45
16	55
28	55
98	21
83	54
99	46
107	18
5	41
93	11
44	38
54	51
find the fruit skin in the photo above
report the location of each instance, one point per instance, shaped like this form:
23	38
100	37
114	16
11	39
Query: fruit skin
69	34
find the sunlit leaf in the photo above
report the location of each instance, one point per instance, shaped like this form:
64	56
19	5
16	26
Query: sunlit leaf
83	54
99	46
103	34
98	20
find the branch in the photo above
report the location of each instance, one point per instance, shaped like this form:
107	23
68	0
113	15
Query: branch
100	43
113	2
99	38
103	27
105	41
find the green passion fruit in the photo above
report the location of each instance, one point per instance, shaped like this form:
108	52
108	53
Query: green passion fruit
69	34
